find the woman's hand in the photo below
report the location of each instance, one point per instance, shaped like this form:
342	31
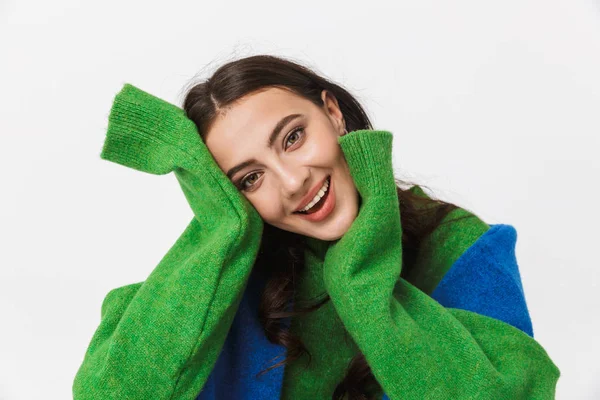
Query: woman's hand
161	339
369	157
402	332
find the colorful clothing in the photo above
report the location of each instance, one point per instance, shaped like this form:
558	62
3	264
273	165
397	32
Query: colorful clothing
190	330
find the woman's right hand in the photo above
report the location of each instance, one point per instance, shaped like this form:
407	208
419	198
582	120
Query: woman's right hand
161	338
151	135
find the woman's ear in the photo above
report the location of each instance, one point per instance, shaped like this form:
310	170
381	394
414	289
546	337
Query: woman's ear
343	128
332	108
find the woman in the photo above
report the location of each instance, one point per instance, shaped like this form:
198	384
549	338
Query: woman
295	199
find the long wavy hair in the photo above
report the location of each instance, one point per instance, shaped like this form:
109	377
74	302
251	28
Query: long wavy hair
420	215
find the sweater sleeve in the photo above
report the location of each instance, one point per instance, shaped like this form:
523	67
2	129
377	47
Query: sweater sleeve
464	263
486	280
416	348
160	338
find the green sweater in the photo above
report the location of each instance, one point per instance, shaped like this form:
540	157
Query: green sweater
160	338
416	348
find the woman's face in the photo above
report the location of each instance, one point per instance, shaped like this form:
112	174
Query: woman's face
303	155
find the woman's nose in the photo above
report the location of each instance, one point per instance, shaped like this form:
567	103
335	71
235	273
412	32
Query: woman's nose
293	183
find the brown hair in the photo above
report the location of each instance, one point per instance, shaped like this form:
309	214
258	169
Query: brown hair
420	215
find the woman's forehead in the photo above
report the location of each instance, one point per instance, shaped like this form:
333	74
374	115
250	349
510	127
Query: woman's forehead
247	126
256	114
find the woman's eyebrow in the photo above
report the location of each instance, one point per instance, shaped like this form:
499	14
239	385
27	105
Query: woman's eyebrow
270	142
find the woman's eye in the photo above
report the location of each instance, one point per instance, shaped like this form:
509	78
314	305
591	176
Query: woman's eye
294	133
242	185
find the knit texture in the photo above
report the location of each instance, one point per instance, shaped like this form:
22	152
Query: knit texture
191	328
416	347
486	280
440	250
322	331
159	339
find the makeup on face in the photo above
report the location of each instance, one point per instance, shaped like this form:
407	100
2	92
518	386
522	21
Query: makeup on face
306	144
323	207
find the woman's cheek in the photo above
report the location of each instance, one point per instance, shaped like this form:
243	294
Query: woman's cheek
266	213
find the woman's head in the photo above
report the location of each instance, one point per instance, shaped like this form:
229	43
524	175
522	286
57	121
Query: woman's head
235	110
238	108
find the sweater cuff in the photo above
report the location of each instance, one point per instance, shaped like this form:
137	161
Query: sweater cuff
149	134
369	157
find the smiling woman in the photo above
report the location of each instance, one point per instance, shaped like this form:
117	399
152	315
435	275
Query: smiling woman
284	149
295	199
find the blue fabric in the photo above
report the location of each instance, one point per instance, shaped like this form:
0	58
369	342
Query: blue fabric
485	279
246	352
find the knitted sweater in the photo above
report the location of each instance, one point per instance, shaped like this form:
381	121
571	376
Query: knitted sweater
190	330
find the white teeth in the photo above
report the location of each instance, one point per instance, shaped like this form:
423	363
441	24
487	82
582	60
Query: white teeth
318	196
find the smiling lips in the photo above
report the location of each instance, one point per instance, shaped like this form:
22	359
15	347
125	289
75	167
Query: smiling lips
311	195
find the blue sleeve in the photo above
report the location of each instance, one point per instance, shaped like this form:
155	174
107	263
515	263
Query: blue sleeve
486	280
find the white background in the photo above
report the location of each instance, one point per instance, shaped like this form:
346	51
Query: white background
494	105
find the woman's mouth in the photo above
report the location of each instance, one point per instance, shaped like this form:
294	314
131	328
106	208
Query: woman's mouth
322	208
